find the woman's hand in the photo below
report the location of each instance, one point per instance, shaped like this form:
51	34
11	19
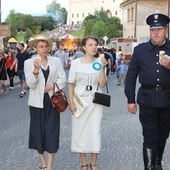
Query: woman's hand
37	63
72	107
48	88
103	61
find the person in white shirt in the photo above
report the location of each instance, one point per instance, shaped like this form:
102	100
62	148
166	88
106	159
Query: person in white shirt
61	55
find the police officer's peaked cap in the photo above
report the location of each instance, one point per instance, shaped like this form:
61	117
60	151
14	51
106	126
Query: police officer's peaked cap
157	20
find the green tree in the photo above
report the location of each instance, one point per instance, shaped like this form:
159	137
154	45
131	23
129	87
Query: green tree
55	8
24	21
28	34
63	14
46	23
13	31
28	21
101	25
99	29
14	19
88	26
38	30
114	27
101	15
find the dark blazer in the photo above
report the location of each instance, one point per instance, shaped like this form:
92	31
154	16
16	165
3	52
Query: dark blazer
145	65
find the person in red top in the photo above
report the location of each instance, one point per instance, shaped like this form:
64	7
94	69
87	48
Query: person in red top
11	68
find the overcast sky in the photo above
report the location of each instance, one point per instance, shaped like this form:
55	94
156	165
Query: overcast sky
27	6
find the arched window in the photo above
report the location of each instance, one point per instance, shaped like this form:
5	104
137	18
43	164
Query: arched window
108	13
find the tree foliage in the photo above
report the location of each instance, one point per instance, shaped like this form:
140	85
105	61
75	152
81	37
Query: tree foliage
23	21
101	25
88	26
28	34
99	29
13	31
55	8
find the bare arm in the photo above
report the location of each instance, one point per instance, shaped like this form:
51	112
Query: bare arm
103	79
72	107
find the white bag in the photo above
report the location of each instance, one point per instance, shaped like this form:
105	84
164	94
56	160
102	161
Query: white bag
79	103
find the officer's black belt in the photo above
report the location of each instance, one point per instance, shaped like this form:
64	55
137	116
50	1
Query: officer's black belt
156	87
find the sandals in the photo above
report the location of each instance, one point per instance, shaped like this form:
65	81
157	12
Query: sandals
83	166
91	166
43	167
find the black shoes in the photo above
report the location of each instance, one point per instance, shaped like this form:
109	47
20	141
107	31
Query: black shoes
149	158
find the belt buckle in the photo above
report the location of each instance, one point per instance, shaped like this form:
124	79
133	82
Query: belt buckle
158	87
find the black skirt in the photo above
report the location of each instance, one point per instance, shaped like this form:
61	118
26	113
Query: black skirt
44	127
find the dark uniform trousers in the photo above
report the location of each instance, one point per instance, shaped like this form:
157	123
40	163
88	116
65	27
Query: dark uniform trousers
156	126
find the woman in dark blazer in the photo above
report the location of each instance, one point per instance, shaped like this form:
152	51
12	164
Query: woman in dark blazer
41	72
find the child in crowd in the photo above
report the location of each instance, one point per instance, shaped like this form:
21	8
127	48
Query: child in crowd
121	72
118	60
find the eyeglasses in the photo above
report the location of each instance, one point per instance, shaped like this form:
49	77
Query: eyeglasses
43	47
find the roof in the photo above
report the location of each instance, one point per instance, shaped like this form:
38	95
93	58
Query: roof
12	40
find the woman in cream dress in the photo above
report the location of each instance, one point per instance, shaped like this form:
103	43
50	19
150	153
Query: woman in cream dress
84	76
41	72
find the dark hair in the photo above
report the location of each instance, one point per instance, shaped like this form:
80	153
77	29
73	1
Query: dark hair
83	43
12	53
22	44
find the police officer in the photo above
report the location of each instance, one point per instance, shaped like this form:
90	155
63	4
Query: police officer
151	64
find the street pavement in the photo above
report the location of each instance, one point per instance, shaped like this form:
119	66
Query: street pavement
120	133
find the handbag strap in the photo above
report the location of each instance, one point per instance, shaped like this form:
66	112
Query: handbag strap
55	84
106	87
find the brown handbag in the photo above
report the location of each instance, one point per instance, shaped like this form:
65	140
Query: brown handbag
59	99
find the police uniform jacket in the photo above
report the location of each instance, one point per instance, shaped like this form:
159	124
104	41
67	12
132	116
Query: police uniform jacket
145	65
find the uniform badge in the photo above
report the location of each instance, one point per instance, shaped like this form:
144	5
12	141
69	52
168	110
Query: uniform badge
156	18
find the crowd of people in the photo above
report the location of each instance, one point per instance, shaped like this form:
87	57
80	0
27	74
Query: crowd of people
12	63
39	67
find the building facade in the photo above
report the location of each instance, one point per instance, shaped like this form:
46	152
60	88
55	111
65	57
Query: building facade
79	9
135	13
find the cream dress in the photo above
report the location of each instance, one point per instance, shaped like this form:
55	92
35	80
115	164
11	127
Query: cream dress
86	128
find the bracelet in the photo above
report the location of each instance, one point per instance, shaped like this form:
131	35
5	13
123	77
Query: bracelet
35	73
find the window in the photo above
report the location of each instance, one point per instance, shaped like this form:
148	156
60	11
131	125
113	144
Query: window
72	15
77	15
132	14
128	15
116	12
83	15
